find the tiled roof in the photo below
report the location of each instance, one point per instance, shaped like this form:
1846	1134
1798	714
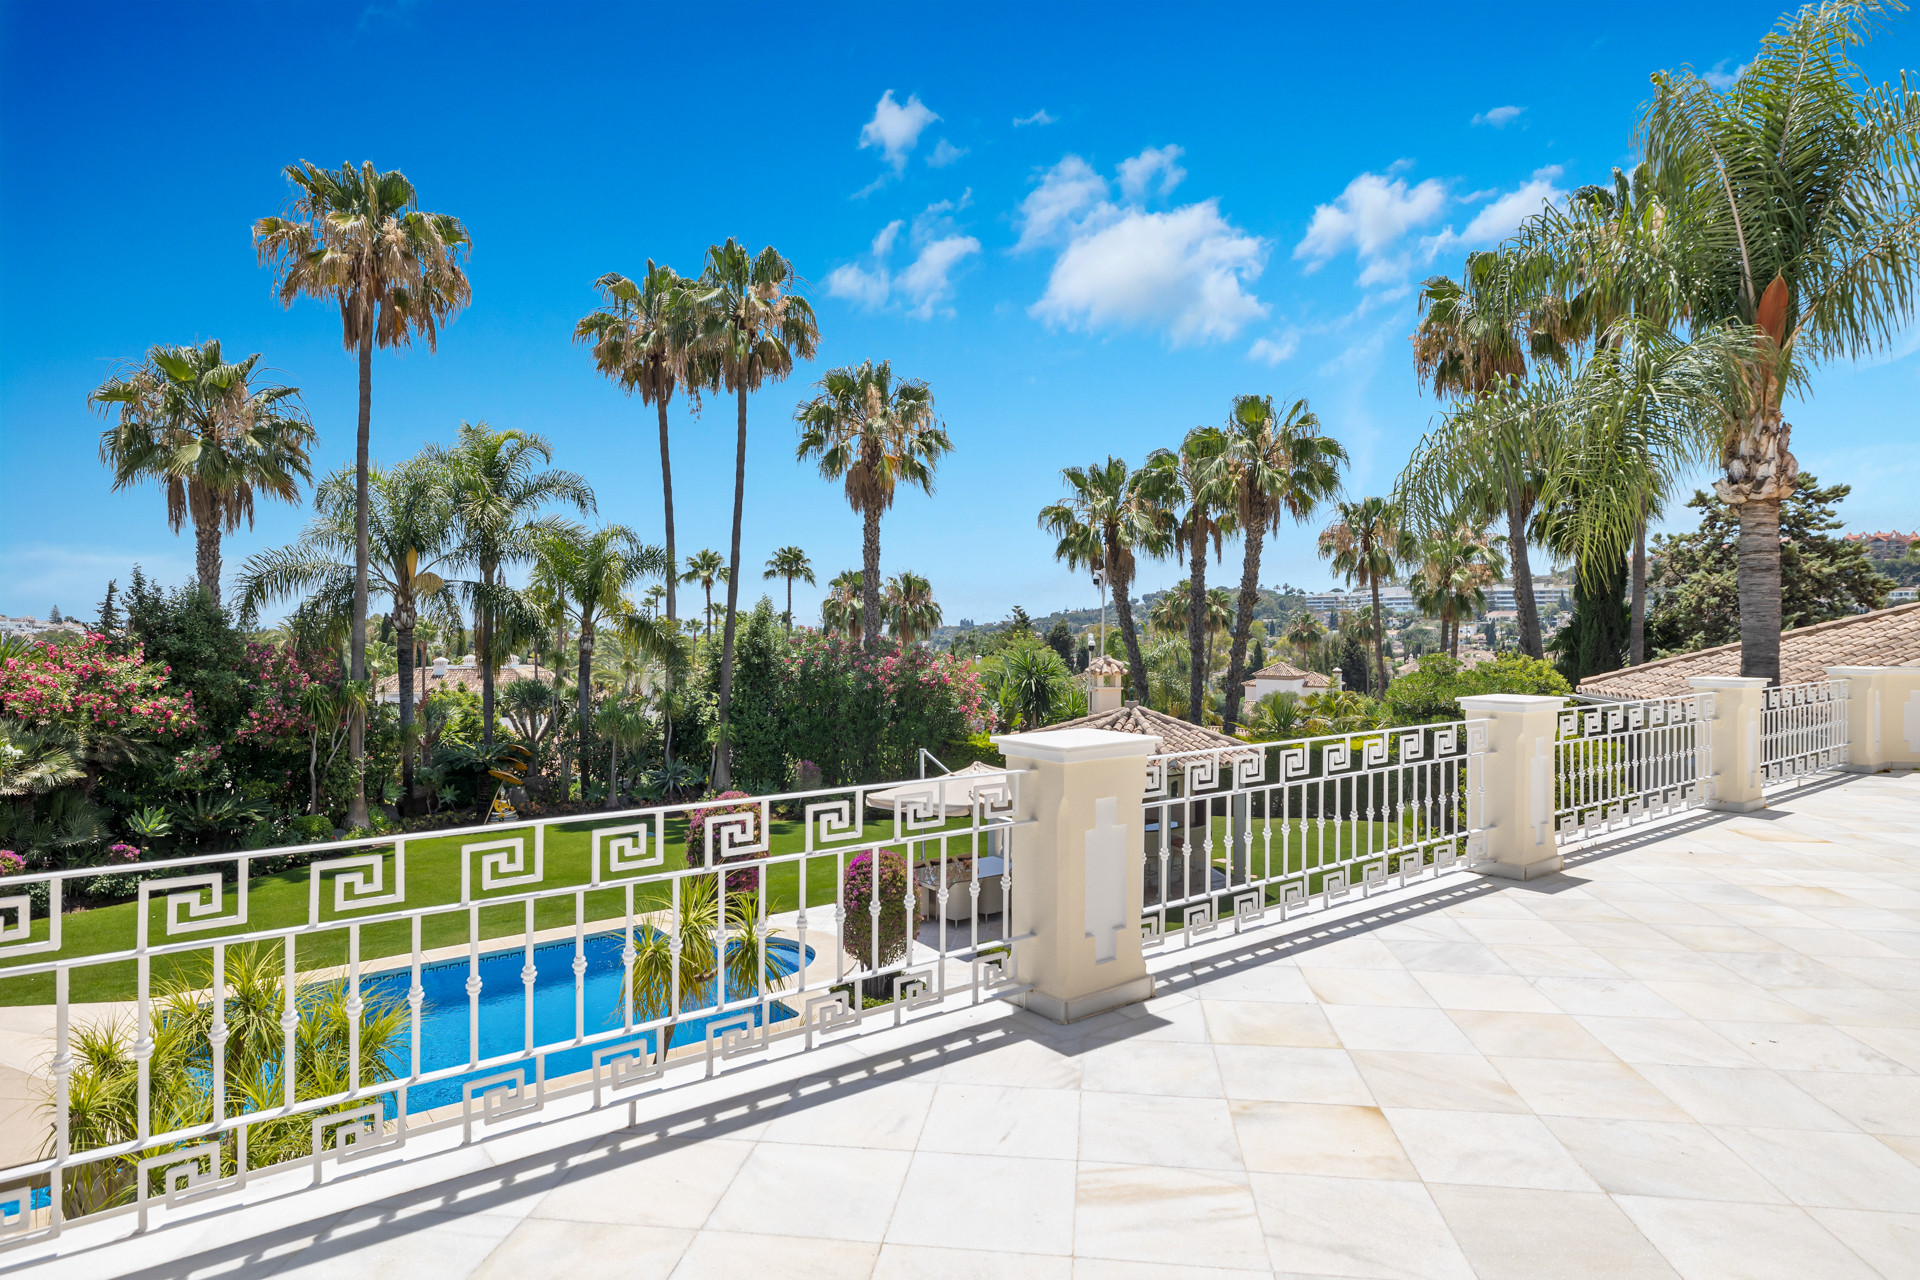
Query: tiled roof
1174	735
1882	638
457	677
1287	671
1104	665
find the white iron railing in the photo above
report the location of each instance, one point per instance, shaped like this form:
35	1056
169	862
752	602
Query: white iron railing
360	996
1803	730
1275	826
1625	762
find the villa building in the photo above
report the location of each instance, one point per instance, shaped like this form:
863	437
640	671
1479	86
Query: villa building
1284	677
445	674
1881	638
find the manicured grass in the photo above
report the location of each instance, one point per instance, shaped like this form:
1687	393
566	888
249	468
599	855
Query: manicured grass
433	879
1307	846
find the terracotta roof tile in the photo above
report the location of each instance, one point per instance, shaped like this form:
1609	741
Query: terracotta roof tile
1174	735
1287	671
1882	638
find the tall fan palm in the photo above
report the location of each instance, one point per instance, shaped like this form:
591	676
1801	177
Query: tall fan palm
1106	518
1278	465
750	327
642	340
1796	198
1196	501
706	568
498	486
589	574
1366	544
1453	567
412	541
840	612
790	563
1476	339
912	612
1304	633
359	237
196	423
875	434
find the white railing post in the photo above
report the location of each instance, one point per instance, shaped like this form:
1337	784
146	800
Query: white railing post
1733	764
1080	886
1883	717
1516	783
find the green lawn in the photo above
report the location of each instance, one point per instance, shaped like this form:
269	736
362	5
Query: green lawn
1305	846
433	879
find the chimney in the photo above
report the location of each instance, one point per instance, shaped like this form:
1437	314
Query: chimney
440	668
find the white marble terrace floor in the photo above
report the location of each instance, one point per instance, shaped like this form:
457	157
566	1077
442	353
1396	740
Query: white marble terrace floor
1695	1053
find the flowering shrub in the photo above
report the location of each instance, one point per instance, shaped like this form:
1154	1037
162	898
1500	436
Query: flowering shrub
11	863
123	853
737	881
279	679
883	938
863	717
86	685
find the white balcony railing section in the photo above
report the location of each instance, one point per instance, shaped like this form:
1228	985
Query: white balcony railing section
1275	827
1624	762
394	986
1803	730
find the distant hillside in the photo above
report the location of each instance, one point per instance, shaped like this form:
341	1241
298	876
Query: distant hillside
1274	603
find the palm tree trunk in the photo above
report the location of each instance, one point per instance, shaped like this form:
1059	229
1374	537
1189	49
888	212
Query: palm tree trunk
1760	588
483	645
583	696
1637	625
1197	622
1243	625
870	578
313	770
206	554
666	501
404	651
1379	635
723	750
1123	613
1523	605
789	614
357	741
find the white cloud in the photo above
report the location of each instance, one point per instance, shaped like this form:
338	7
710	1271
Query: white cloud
1183	270
927	281
1138	173
944	154
1499	117
895	129
1502	217
1275	349
1370	216
1722	79
1039	117
1069	189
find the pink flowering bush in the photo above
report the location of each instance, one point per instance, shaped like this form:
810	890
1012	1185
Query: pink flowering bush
280	679
737	881
868	938
87	686
11	863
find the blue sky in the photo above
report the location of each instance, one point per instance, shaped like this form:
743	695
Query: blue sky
1088	227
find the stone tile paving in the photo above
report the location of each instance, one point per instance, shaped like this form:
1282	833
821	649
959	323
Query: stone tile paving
1694	1053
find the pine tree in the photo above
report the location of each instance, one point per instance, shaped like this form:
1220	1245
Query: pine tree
109	620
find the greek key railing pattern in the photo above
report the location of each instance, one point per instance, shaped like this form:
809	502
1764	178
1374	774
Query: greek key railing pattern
1619	763
394	986
1271	830
1803	730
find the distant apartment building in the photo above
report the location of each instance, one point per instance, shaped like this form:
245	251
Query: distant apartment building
1400	599
1889	542
30	626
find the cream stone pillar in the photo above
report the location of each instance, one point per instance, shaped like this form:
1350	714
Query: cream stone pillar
1510	785
1077	869
1883	717
1733	749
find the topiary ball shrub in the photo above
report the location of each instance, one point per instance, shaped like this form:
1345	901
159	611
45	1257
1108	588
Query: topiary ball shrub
881	940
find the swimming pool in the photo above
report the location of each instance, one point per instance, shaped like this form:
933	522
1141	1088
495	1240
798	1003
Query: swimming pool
445	1027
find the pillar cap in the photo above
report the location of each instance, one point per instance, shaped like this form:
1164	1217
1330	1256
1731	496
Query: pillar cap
1727	682
1071	746
1856	671
1490	702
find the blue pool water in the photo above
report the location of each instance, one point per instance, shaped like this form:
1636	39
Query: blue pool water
445	1028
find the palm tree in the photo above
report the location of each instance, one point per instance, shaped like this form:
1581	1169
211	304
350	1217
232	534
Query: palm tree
1196	502
704	948
841	612
750	327
789	563
874	434
1797	225
911	611
1219	620
706	568
1475	341
1305	632
1366	543
412	543
1102	523
498	487
1452	569
589	573
1278	464
196	424
641	340
359	238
